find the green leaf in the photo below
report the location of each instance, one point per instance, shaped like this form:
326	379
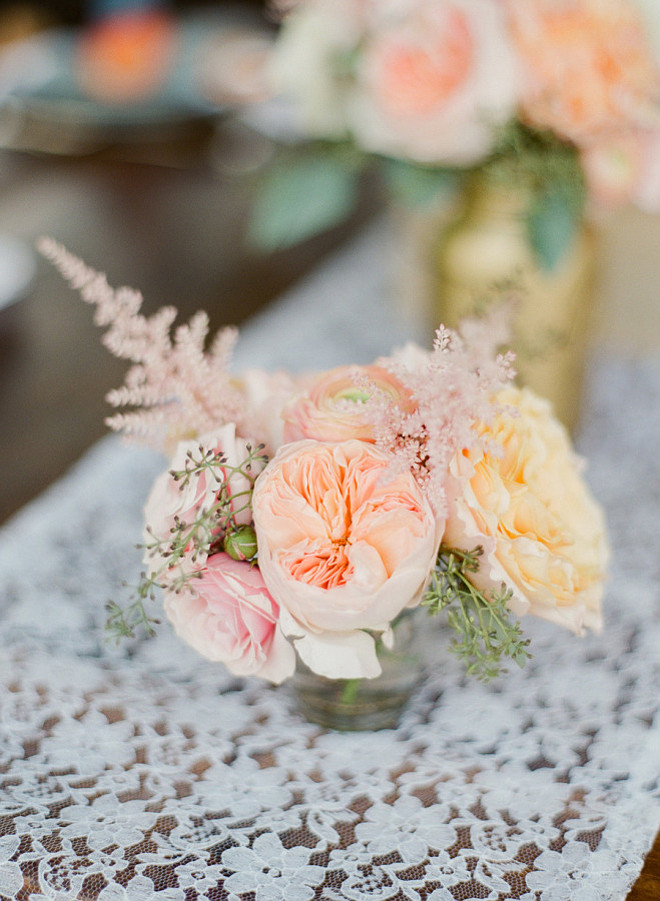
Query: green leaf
552	224
299	199
417	185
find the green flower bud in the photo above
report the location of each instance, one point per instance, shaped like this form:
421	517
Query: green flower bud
241	544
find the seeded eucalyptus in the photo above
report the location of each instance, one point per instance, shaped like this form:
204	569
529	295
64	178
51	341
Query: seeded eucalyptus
485	630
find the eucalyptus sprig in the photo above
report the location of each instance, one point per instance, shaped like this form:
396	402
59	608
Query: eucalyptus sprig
485	630
214	528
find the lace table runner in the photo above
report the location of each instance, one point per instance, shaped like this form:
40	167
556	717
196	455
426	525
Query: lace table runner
143	772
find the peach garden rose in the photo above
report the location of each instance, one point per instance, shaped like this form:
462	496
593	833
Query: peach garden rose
527	505
434	81
345	544
589	69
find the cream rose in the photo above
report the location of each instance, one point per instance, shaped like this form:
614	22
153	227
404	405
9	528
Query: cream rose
344	546
434	81
333	406
228	616
172	500
543	534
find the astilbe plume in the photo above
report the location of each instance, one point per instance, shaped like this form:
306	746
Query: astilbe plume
176	387
453	387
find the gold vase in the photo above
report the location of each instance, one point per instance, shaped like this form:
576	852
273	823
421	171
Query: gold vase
486	257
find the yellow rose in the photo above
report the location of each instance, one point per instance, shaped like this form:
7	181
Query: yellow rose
525	502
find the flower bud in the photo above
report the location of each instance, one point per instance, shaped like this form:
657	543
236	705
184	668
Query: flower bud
241	544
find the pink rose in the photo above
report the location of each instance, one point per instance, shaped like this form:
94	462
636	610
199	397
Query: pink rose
345	544
434	81
527	505
171	500
229	617
333	407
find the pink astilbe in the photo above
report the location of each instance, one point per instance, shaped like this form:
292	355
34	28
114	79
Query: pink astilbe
453	387
178	388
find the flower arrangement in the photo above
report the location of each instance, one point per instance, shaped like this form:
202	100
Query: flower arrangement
301	516
559	94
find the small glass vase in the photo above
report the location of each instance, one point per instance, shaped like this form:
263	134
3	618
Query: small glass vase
351	705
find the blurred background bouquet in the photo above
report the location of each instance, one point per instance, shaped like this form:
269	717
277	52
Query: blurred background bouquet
500	129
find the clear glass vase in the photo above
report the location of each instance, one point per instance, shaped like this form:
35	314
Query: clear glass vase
349	705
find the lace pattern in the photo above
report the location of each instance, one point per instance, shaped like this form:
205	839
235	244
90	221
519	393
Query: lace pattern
144	772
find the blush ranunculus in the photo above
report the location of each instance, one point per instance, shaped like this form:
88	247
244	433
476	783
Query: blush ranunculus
228	616
589	69
434	81
171	500
345	544
333	406
528	506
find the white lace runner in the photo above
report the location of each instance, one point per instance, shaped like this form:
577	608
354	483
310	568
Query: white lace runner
143	772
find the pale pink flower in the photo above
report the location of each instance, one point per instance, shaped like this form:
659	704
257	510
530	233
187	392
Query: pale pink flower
452	387
334	406
433	81
228	616
589	67
266	394
177	386
528	506
344	546
184	501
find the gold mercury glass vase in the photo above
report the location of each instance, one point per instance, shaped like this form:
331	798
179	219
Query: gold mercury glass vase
485	257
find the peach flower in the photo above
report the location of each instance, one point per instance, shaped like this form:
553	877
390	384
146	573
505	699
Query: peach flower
333	407
434	81
171	500
589	68
345	544
228	616
543	534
